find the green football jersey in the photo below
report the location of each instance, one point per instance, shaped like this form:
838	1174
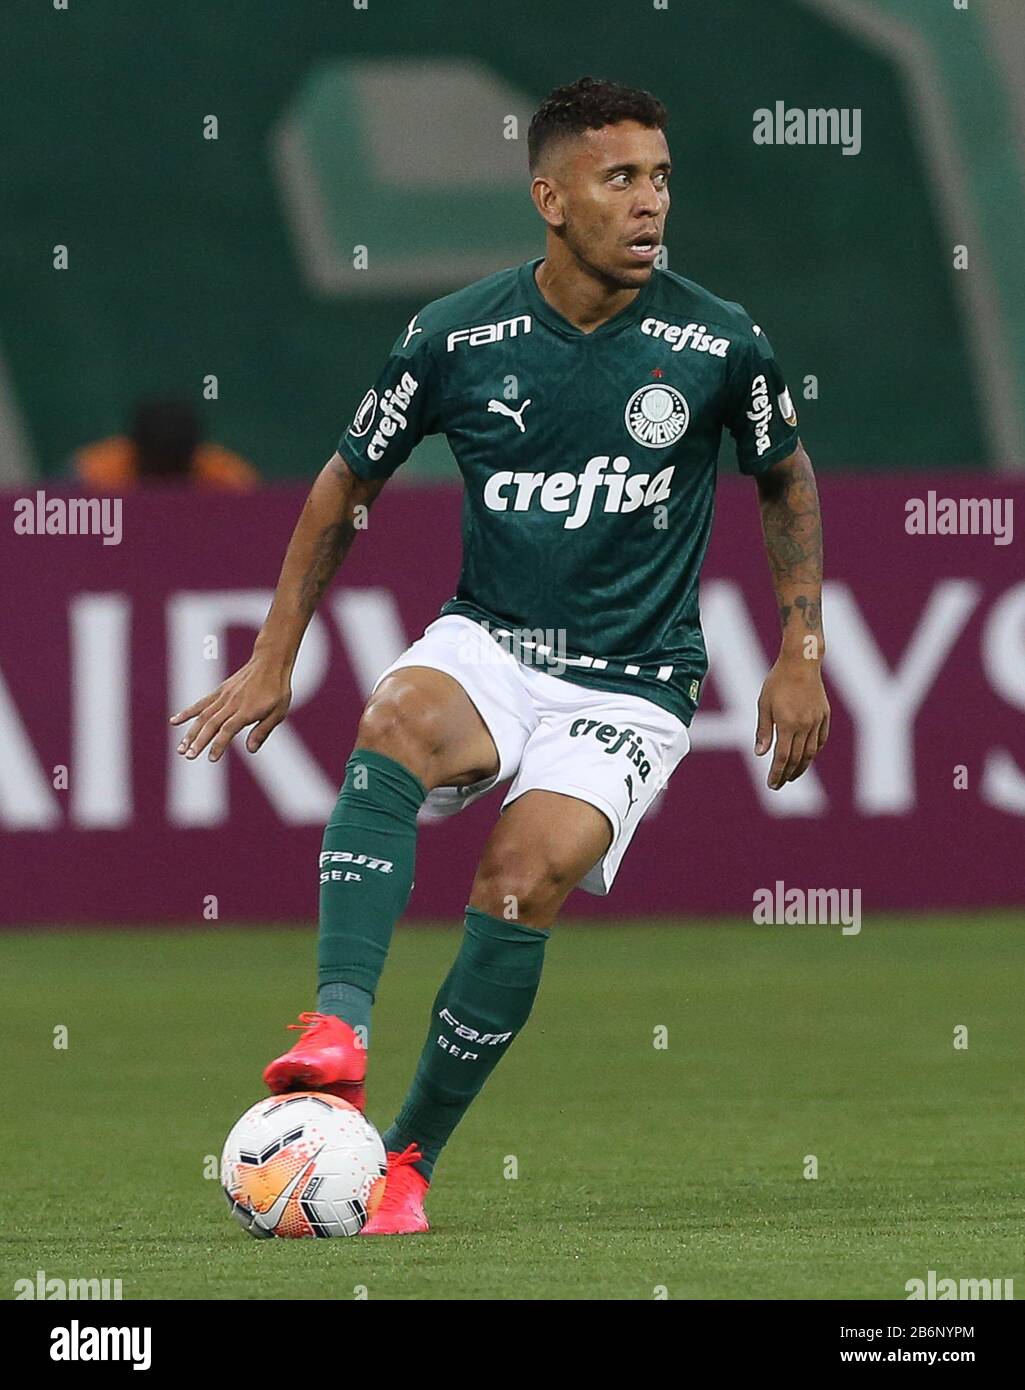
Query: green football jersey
589	465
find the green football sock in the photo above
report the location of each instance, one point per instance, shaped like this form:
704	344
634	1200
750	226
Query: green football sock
485	1000
350	1003
366	873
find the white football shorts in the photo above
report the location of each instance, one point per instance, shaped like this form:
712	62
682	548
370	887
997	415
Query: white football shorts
612	750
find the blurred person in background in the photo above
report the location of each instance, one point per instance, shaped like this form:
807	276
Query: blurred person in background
165	446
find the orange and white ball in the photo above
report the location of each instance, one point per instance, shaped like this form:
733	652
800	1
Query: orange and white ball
303	1164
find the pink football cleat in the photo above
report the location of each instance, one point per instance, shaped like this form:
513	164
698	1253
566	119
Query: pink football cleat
401	1212
329	1056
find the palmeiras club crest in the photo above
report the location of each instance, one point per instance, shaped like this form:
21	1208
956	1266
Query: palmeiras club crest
657	415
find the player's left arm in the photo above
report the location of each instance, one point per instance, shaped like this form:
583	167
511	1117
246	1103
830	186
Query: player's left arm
793	700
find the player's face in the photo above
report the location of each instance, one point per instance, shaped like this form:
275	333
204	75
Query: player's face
614	189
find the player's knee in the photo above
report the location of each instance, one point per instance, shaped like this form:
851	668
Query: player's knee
398	724
521	886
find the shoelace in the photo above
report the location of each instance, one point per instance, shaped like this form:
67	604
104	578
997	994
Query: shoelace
308	1021
411	1154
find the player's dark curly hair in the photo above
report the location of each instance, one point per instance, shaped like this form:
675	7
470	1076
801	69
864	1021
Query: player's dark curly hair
588	104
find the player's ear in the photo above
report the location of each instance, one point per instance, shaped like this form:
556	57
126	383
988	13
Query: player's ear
547	200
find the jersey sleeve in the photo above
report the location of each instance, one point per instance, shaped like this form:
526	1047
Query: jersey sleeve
760	414
401	407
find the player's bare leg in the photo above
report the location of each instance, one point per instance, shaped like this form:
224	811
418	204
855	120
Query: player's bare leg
424	720
540	849
419	730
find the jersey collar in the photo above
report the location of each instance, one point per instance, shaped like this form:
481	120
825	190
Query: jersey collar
551	316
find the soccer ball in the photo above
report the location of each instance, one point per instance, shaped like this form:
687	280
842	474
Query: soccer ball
303	1164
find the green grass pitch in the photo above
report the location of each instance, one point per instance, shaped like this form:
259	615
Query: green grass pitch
639	1168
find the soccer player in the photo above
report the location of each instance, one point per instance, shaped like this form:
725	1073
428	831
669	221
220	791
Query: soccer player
584	397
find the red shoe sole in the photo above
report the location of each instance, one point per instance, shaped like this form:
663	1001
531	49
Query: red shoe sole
308	1079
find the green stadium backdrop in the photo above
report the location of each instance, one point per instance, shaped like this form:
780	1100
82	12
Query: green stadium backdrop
192	257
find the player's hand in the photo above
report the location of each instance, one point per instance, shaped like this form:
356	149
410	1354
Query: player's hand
793	703
258	693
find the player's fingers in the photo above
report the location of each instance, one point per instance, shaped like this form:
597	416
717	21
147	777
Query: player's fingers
192	732
811	747
798	739
197	707
208	729
226	733
784	743
763	731
824	731
259	735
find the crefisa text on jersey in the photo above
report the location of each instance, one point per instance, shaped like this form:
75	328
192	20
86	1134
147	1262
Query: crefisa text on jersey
557	491
394	401
694	336
761	413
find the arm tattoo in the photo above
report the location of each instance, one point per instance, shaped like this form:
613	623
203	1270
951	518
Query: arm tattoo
331	547
810	610
792	527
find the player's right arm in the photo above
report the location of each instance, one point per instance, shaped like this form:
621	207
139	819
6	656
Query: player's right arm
399	409
260	692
